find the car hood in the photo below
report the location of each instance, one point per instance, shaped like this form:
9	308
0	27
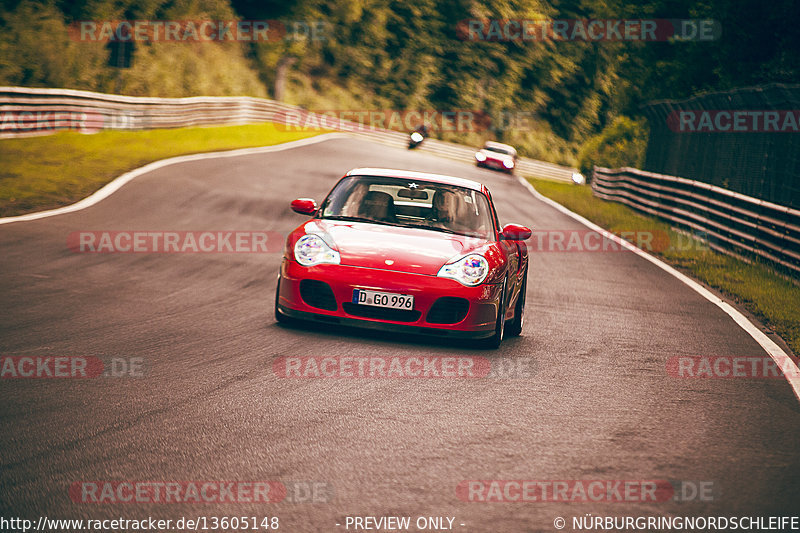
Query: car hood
417	251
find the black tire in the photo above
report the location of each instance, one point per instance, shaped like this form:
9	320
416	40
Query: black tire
279	317
514	328
496	339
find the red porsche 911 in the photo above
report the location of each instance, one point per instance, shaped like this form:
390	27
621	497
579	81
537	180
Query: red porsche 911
409	252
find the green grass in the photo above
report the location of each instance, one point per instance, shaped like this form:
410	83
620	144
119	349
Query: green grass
757	287
51	171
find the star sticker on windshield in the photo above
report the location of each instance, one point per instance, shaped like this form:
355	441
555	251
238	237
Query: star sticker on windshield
412	185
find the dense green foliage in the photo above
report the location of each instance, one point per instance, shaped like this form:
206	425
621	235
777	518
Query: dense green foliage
37	50
394	54
621	143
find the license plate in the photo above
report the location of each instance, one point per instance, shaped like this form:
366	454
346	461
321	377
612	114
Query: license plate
388	300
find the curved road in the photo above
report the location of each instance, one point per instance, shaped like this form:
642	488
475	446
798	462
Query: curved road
596	404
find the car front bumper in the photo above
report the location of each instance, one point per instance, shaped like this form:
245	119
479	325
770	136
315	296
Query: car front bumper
479	321
495	164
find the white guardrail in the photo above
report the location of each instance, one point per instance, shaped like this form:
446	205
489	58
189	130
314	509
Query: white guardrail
728	221
28	111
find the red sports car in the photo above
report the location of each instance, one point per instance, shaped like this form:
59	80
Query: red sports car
406	251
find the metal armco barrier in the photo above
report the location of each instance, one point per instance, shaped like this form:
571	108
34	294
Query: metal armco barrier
29	111
728	221
725	139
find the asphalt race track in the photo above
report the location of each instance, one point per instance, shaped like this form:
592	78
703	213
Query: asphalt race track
597	402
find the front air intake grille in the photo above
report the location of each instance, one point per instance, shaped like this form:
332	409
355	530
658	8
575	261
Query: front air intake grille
381	313
448	310
317	294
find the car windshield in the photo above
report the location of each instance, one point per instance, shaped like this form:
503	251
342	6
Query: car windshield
410	203
498	150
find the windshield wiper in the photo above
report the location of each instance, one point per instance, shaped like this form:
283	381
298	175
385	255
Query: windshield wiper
398	224
358	219
434	228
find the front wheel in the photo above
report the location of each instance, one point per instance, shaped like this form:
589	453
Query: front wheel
514	327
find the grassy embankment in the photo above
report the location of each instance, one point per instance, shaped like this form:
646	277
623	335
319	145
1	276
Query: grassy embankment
55	170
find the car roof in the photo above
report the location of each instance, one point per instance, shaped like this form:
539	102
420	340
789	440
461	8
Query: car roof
493	144
422	176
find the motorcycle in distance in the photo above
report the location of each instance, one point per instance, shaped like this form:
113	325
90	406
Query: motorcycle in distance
417	136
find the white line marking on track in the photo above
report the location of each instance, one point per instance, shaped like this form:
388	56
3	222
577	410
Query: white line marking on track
778	355
112	187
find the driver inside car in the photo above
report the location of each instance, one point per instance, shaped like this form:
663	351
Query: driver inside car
444	208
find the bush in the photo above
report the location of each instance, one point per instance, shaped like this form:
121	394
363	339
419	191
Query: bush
620	144
36	51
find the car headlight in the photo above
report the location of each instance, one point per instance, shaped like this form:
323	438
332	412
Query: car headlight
480	156
312	250
416	137
470	270
508	163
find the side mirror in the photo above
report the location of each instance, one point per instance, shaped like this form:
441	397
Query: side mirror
515	232
304	206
